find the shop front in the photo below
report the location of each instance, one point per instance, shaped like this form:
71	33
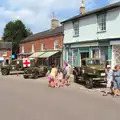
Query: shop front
75	52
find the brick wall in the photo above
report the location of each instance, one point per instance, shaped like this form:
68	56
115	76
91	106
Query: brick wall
48	42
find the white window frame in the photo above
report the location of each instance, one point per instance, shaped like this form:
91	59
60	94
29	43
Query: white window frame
101	22
76	28
42	46
55	44
23	50
33	48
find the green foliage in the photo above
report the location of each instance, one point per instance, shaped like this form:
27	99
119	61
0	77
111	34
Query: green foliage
15	32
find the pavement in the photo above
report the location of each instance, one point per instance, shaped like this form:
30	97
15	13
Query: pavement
28	99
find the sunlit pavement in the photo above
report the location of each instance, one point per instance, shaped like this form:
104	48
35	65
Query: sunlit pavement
30	99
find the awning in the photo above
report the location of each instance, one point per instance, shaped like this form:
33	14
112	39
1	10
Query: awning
36	54
47	54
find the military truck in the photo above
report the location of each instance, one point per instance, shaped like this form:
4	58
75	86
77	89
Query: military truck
91	71
35	72
15	65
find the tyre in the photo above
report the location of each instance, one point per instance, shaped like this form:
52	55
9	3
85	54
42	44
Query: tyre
5	72
35	75
89	83
75	79
25	76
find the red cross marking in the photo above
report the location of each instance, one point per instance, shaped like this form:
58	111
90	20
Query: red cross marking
26	63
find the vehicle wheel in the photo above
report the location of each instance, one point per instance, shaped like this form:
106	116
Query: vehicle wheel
35	75
5	72
25	76
75	79
89	83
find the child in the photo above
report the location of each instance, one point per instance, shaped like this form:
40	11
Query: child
60	78
52	76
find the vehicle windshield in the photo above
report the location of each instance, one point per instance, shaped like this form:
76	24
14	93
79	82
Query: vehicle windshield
93	62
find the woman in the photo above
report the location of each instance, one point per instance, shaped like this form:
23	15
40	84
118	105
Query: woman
116	79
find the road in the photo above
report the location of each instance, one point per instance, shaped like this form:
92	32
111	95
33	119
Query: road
33	100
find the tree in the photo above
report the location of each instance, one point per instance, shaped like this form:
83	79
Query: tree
15	32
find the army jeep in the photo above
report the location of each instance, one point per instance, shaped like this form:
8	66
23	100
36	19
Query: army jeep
90	72
15	65
35	72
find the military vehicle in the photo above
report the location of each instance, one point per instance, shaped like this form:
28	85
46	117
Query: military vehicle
91	72
37	69
35	72
15	65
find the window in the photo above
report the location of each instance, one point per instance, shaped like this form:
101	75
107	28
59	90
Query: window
42	46
22	49
4	53
33	48
76	28
96	53
55	44
101	21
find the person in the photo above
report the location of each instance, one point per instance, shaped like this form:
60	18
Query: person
60	78
116	80
52	76
109	77
67	72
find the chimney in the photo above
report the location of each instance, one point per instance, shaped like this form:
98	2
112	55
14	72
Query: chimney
54	22
82	8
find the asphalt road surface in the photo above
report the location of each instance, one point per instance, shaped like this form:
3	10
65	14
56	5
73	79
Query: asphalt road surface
33	100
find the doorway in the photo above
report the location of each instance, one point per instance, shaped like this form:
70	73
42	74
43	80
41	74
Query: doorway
84	55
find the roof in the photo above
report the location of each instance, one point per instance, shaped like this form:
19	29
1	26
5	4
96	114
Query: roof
109	7
5	45
47	33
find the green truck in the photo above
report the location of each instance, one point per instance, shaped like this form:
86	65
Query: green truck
91	71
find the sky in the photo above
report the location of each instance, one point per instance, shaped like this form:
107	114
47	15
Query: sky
37	14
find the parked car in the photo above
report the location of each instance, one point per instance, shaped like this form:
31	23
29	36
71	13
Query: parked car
15	65
90	72
35	72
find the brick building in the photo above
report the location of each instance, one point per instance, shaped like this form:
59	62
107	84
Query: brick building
45	45
5	51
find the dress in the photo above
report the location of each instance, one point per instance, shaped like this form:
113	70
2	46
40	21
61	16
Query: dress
117	79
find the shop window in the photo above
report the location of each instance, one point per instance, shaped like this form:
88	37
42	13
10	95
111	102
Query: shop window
70	56
55	44
83	62
95	53
101	21
76	28
75	53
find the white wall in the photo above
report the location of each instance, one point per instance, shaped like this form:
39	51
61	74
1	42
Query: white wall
88	28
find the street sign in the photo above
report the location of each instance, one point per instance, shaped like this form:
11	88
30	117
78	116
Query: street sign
26	62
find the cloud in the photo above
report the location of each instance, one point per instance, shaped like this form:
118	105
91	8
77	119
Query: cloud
36	14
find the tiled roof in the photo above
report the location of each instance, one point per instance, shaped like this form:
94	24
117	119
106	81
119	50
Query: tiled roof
5	45
47	33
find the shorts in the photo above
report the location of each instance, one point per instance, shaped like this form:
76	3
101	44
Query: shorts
109	84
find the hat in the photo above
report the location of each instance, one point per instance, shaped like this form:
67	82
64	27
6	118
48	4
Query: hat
108	66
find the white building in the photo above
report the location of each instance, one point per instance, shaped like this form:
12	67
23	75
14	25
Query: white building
93	34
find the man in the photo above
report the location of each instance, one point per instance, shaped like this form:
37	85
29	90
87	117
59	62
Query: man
109	77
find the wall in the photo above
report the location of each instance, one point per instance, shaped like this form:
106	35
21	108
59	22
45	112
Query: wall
49	44
88	28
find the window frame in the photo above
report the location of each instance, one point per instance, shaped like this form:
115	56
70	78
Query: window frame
56	45
101	22
33	48
42	46
76	28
